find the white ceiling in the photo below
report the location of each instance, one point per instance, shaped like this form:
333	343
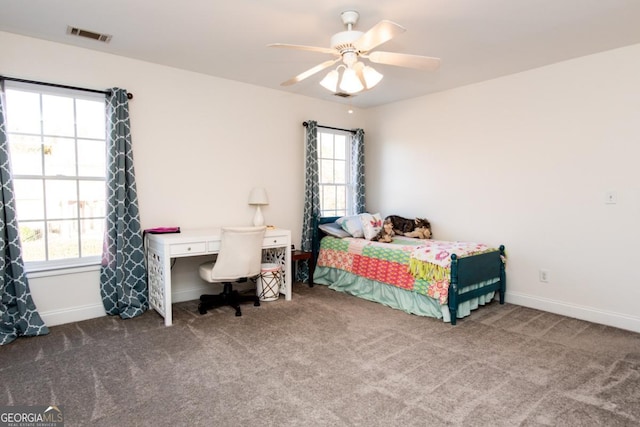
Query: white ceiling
476	39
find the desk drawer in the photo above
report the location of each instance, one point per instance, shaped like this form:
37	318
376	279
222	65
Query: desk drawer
274	241
188	248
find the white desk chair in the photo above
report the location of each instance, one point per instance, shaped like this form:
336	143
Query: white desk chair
240	258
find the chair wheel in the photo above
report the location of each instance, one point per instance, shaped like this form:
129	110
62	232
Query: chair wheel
238	313
257	303
202	309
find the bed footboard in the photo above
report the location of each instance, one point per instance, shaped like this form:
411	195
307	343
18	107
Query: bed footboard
472	270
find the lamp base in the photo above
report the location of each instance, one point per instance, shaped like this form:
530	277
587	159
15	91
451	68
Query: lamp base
258	219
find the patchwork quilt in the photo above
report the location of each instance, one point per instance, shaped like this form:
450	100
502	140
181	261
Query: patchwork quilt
422	266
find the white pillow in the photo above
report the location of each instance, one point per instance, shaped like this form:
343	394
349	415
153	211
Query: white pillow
371	224
352	225
333	229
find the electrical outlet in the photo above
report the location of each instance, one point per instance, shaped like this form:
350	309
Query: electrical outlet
610	198
544	275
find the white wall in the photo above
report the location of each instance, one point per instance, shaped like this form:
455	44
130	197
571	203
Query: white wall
200	144
525	161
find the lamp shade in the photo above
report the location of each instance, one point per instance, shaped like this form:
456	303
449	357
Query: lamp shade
371	76
350	82
258	196
330	81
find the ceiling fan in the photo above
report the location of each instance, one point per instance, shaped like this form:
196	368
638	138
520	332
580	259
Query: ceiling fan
349	47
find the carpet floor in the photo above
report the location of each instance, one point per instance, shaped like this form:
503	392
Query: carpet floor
329	359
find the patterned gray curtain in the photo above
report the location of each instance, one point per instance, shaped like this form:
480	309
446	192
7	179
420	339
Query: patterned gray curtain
311	194
123	276
18	314
357	168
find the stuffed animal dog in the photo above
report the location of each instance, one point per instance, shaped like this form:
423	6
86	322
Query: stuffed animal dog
419	227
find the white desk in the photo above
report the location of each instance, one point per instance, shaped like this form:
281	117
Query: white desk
162	247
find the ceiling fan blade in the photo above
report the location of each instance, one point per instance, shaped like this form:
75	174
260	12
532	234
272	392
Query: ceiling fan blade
308	48
426	63
382	32
310	72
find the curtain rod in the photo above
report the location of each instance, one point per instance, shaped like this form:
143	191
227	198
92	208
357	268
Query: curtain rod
106	92
305	124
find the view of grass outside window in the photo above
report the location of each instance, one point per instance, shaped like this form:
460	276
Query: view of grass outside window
58	161
334	153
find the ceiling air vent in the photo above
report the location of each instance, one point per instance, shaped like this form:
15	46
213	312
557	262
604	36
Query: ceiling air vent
75	31
343	95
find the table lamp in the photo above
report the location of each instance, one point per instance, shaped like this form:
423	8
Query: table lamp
258	197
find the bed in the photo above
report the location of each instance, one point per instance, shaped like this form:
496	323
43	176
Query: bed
409	274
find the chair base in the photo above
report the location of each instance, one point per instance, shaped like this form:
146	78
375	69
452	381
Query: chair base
228	296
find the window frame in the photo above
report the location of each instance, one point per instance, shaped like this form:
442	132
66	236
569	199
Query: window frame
348	185
60	264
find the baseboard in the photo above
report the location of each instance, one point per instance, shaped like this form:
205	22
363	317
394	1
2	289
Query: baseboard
590	314
195	292
78	314
75	314
190	294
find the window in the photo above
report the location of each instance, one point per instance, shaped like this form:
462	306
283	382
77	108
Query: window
58	161
336	187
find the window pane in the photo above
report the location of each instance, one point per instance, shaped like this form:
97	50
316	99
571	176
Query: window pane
92	236
341	198
341	147
329	197
29	199
91	158
32	238
326	171
63	239
326	146
24	114
90	119
340	176
92	195
62	199
59	157
57	112
26	155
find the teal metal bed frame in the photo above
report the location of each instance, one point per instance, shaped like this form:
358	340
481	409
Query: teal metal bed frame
465	272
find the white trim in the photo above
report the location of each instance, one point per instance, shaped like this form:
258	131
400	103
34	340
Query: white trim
192	294
62	264
590	314
86	312
62	271
74	314
195	292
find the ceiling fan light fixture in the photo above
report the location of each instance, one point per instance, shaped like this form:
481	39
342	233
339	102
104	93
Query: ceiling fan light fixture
330	81
350	82
371	76
349	47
